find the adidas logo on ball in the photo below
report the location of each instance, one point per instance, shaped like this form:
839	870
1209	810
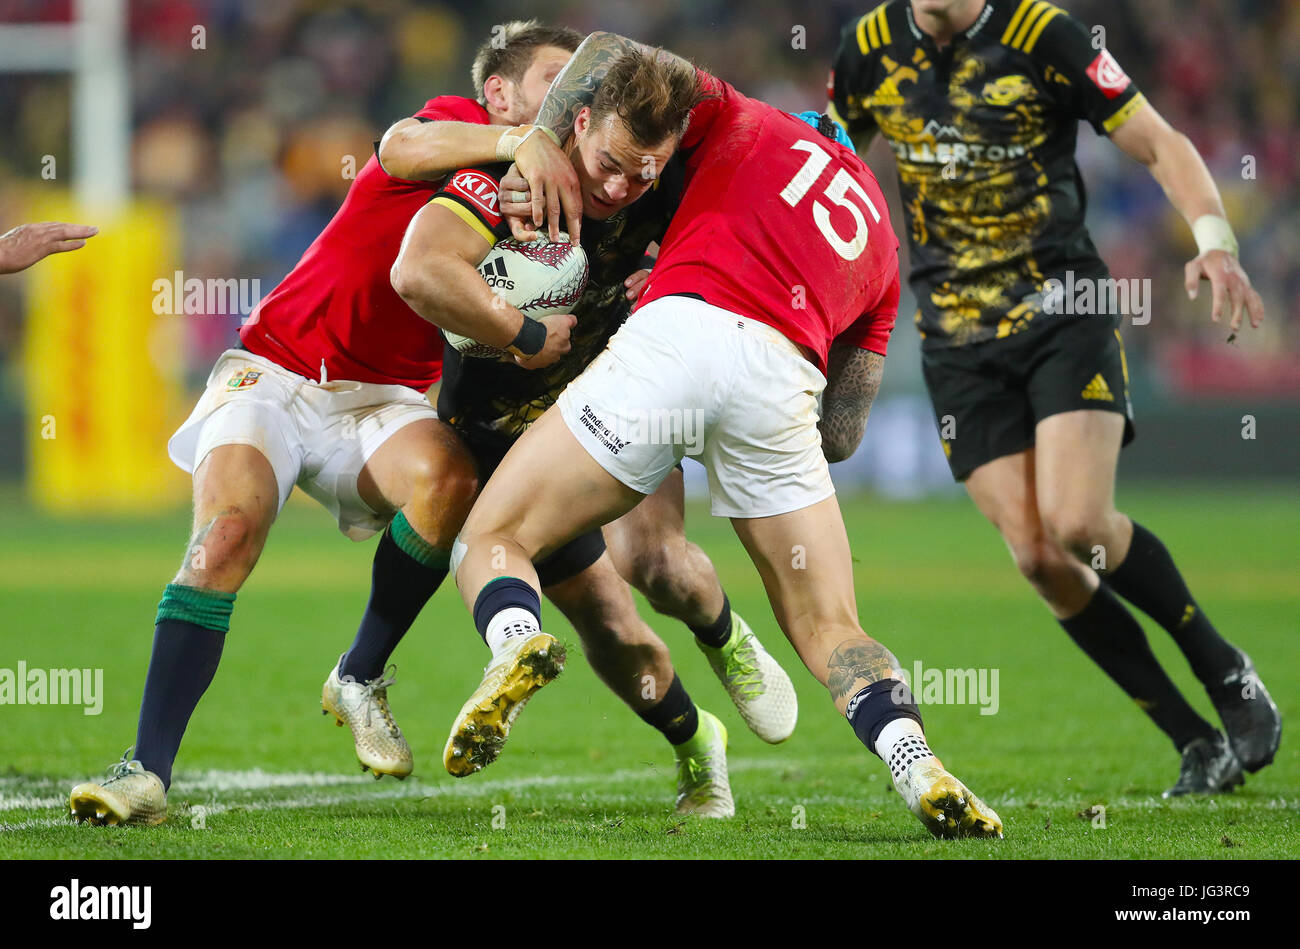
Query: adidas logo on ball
496	277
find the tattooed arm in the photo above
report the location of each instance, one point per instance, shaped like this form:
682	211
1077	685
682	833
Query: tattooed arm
852	380
573	89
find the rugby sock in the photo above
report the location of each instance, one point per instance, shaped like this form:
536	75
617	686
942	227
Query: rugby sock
902	742
1149	580
1114	640
189	634
676	716
505	608
718	632
406	572
874	708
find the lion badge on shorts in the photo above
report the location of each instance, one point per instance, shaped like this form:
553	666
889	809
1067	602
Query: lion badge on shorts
244	378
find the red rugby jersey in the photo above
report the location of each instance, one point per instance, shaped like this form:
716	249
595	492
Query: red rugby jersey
780	224
337	307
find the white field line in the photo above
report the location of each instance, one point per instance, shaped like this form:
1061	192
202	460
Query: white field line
212	782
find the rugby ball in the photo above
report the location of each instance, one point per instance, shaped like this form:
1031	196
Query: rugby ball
538	278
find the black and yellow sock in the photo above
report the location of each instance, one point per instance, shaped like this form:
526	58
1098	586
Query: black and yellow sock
717	633
189	634
1114	640
1150	581
676	716
407	571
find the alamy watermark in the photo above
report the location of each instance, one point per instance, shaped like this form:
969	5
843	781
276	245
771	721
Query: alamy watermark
952	687
215	296
648	427
24	686
1099	296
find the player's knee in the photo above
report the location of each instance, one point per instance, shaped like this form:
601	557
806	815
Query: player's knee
657	572
1035	560
443	481
230	541
1075	530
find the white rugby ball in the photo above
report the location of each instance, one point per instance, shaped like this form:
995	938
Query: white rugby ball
538	278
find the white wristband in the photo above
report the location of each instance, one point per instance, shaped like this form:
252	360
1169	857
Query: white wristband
512	138
1213	233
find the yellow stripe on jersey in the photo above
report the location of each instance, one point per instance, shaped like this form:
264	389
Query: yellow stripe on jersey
1124	114
1028	23
1042	22
1123	360
466	215
873	30
1015	20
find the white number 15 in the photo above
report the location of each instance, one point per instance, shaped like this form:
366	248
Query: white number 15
837	193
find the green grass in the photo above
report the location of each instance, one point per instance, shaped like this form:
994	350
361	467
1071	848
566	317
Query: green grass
582	776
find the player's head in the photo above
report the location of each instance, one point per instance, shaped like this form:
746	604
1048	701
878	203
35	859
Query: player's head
623	140
513	69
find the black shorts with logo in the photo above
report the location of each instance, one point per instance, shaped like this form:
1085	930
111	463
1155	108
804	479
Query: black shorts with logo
561	564
988	397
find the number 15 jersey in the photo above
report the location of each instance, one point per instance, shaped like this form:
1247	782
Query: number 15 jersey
782	225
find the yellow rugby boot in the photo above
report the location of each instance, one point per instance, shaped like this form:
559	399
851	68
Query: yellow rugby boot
524	665
702	785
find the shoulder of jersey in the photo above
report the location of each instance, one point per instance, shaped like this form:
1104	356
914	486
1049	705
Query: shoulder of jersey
874	30
1028	20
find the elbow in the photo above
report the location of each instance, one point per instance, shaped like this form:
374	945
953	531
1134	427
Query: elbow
406	282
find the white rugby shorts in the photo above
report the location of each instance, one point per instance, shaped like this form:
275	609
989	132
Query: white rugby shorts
315	435
681	377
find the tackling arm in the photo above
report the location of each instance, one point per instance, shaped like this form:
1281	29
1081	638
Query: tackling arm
852	380
435	274
1176	164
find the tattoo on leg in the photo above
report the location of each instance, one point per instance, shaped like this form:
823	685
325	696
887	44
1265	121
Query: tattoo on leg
856	659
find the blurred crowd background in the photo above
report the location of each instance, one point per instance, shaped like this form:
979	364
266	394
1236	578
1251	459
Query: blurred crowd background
247	138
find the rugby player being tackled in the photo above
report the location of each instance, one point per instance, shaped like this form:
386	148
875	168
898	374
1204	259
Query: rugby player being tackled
980	100
776	284
629	180
326	391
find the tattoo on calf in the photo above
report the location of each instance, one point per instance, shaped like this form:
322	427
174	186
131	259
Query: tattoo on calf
856	659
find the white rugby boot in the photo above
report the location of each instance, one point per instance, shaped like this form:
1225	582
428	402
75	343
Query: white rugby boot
943	804
760	689
524	665
129	795
363	707
702	785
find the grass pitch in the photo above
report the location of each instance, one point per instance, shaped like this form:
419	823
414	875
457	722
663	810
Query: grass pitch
262	774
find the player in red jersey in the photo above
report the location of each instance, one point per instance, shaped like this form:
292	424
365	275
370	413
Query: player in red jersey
327	392
776	285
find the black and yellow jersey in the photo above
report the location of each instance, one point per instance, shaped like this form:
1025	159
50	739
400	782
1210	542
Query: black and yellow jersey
496	400
984	132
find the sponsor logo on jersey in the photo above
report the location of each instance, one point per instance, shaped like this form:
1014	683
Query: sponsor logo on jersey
244	378
1007	90
479	190
1107	75
936	129
496	276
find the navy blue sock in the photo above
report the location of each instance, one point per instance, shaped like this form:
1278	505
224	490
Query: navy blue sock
676	716
501	594
875	706
184	660
400	585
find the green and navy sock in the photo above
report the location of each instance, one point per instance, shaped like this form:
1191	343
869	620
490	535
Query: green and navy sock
189	633
407	571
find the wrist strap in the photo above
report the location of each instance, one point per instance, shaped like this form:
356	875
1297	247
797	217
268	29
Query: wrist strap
1213	233
510	140
529	340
